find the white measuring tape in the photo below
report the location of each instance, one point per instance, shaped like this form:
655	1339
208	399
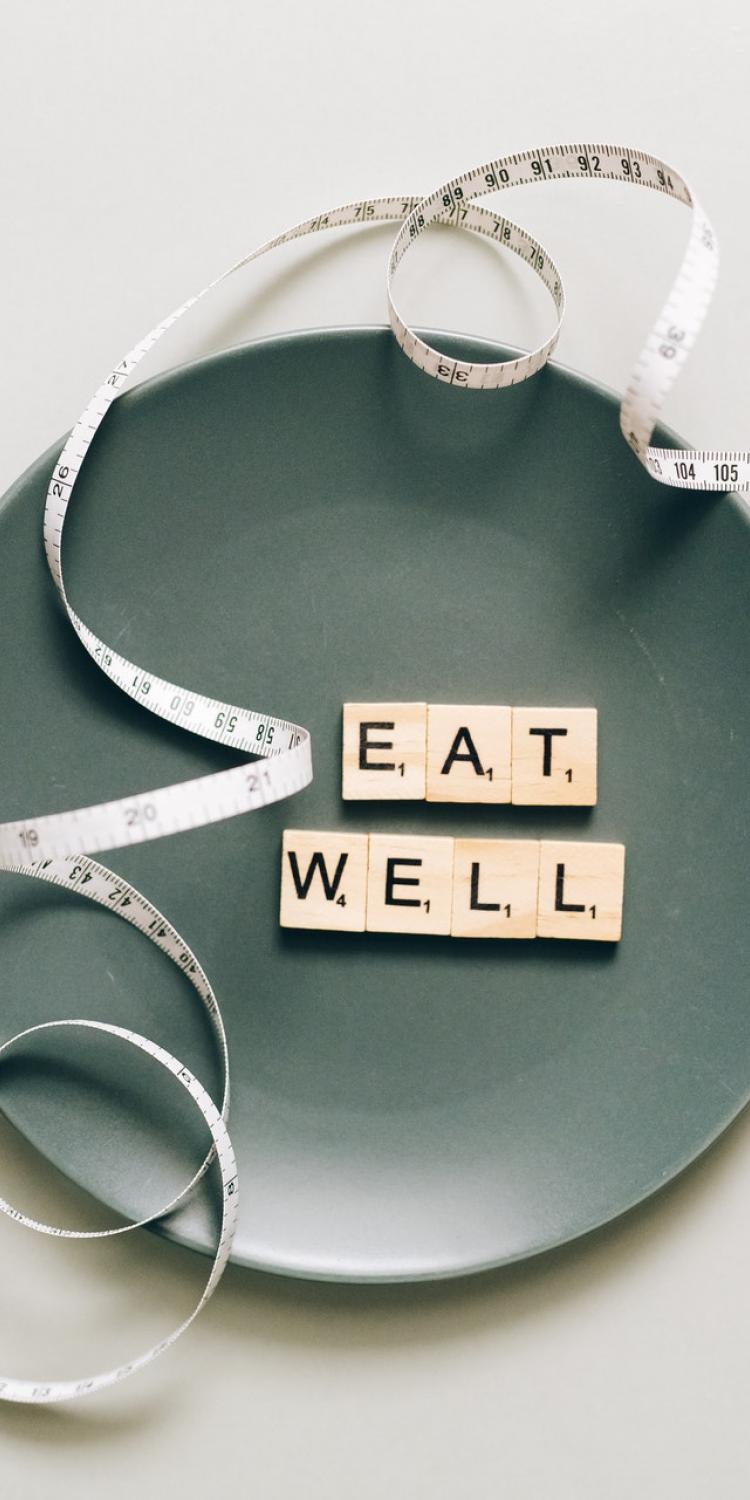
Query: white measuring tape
62	1390
56	847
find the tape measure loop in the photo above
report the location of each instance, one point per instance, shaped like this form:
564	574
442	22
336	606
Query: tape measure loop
45	1392
86	877
669	342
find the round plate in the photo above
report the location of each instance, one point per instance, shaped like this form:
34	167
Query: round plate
308	520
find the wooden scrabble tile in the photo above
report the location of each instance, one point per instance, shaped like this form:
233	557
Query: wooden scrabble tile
384	751
581	891
554	757
495	888
409	884
468	753
323	880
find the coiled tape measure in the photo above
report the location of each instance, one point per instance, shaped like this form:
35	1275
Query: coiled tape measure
56	848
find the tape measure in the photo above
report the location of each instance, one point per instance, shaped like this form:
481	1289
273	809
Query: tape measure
62	1390
57	847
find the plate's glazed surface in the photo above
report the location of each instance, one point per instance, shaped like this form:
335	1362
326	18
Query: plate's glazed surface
308	520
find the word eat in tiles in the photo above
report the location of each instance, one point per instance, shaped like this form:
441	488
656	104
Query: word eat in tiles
462	887
442	752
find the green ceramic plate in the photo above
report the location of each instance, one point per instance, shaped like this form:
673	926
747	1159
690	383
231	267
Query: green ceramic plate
307	520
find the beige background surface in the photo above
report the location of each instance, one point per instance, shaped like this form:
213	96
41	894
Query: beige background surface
145	146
